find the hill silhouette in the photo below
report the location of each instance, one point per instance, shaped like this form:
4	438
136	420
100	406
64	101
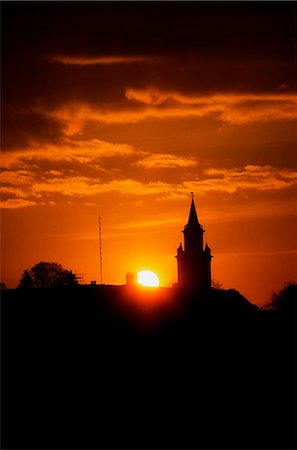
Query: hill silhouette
94	367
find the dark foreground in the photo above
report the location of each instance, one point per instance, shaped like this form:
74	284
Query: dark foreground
88	368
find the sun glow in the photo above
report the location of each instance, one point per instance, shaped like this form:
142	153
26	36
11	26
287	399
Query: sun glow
147	278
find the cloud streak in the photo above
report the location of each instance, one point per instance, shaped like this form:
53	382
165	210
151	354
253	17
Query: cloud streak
260	178
141	105
251	177
95	60
165	161
69	150
154	96
16	203
236	108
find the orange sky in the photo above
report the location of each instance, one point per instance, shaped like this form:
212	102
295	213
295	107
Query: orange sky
127	118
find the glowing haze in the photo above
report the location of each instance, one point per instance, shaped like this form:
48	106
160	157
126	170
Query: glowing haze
123	110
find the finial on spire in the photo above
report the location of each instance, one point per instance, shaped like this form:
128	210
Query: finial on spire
192	195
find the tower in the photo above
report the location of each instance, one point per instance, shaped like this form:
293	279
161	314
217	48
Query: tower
194	261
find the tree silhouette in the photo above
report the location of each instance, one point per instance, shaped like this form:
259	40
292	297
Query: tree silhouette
47	275
2	285
216	284
26	280
285	300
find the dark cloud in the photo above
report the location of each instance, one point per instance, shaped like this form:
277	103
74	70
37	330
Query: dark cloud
21	127
192	48
151	27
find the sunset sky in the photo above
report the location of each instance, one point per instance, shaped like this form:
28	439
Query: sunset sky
123	109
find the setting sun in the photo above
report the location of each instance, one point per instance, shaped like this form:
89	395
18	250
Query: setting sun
147	278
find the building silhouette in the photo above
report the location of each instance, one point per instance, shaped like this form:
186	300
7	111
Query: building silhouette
131	279
194	261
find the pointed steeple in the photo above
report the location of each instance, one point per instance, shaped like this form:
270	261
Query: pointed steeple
193	231
193	218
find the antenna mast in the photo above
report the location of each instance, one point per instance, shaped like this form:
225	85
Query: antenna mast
100	249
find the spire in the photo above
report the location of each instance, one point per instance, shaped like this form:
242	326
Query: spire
193	219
